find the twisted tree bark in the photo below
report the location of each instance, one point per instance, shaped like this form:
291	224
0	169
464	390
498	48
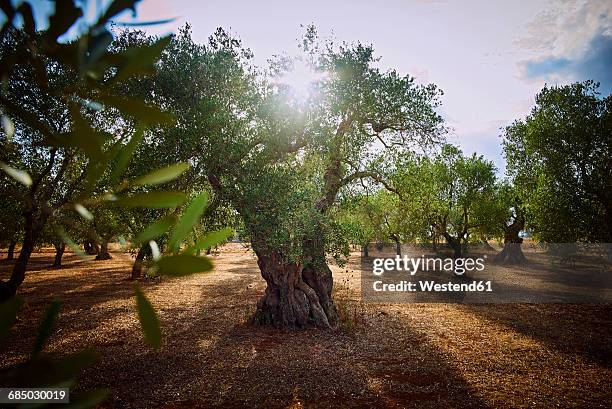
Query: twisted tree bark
366	250
455	244
289	301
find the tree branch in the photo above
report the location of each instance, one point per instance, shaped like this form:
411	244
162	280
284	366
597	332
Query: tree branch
372	175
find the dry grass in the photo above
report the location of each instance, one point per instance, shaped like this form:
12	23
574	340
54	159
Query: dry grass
410	355
351	309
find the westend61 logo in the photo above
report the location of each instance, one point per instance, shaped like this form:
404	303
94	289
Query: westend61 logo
436	275
580	274
411	265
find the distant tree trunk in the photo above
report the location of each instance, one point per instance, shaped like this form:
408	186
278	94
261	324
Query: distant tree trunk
59	252
104	254
512	252
455	244
11	250
366	250
91	247
465	245
32	228
398	244
137	267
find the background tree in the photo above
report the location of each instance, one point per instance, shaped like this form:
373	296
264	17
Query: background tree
559	161
106	226
358	218
379	216
61	155
454	193
53	94
509	214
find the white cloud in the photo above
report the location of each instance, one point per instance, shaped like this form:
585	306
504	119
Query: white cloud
567	27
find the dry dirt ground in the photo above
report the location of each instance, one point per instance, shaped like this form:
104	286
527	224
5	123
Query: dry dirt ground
385	355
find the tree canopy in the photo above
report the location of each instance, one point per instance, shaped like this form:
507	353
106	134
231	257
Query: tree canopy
559	160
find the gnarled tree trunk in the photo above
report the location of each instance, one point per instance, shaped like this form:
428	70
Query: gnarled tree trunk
366	252
296	297
59	252
318	276
104	254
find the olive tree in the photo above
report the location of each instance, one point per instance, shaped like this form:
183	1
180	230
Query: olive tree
356	118
281	161
559	162
451	193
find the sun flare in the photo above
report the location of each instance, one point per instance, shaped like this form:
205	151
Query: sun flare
301	79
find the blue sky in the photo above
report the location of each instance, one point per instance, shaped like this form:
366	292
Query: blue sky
489	57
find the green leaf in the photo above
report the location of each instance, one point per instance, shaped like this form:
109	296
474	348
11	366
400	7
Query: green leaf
144	23
25	115
155	229
153	200
140	110
84	137
148	320
82	210
46	326
139	60
182	264
210	240
8	315
190	217
162	175
19	175
8	127
125	154
70	366
154	250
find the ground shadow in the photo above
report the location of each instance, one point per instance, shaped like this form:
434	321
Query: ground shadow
584	330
